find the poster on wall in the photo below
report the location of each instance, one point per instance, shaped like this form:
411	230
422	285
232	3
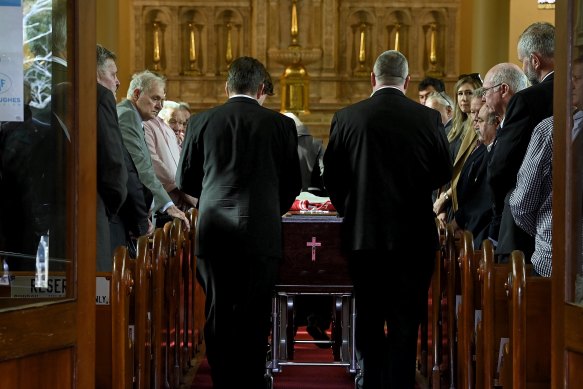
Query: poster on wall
11	70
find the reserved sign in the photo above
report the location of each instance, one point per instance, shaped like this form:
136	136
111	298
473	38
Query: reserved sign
23	287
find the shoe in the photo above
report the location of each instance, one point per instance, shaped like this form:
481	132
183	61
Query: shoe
318	334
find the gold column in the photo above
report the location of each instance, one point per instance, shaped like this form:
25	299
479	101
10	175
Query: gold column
294	24
192	51
433	70
397	37
229	49
156	52
361	70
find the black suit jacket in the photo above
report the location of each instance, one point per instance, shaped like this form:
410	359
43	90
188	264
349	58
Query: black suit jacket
241	160
385	156
112	175
526	109
474	201
111	170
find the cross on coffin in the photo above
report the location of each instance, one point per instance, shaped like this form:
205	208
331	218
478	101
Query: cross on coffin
313	244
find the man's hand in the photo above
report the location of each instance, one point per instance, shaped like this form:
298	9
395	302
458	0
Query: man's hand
150	227
440	203
175	212
442	218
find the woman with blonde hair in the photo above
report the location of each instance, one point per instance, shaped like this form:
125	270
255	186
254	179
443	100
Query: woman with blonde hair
462	138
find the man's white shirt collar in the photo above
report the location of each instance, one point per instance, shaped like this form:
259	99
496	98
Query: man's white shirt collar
249	97
385	87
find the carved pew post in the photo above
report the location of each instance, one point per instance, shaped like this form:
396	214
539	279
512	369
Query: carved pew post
143	309
188	281
494	313
436	295
466	319
173	288
159	259
451	291
122	281
484	360
527	361
197	294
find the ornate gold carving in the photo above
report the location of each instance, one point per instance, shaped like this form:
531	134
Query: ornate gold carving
295	82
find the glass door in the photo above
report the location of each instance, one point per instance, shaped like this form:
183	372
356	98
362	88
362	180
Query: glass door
47	193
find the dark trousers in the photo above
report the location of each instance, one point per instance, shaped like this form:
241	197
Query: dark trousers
238	309
390	289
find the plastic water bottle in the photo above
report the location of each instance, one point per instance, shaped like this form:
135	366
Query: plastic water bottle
42	263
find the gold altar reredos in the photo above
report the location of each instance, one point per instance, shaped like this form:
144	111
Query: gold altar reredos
336	41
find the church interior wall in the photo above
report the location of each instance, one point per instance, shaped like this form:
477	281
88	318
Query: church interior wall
192	42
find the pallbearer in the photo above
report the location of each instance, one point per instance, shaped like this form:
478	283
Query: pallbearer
385	156
241	161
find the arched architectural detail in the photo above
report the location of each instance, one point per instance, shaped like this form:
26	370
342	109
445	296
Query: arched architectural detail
433	52
230	38
158	40
194	45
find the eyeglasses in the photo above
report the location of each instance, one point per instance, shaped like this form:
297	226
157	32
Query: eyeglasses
486	90
474	76
447	99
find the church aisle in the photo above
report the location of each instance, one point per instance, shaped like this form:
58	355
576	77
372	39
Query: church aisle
293	377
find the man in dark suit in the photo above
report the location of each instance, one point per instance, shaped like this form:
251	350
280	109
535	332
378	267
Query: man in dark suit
385	157
132	218
112	175
526	109
241	161
474	211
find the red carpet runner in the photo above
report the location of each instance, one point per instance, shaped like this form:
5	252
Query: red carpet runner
297	377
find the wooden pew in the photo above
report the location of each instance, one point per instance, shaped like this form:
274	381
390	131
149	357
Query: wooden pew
142	314
494	324
122	288
452	290
159	259
470	304
188	280
527	359
152	316
173	278
198	295
437	289
481	365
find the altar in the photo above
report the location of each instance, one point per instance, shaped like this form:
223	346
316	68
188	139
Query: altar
313	264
